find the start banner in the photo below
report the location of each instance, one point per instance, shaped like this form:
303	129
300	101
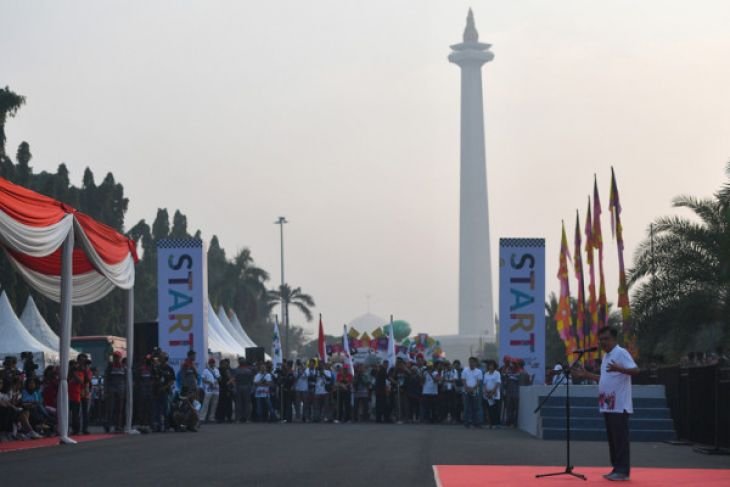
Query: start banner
522	303
182	299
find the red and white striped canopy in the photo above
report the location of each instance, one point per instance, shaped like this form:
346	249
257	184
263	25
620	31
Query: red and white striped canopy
33	228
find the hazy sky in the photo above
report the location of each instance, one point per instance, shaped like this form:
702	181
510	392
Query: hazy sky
343	116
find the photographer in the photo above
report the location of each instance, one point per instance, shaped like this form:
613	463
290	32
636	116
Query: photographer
29	366
84	364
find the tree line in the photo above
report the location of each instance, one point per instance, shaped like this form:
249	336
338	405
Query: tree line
235	282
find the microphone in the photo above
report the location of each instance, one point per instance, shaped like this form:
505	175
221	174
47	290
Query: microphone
585	350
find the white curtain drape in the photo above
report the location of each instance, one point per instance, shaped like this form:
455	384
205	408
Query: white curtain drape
33	241
87	288
121	274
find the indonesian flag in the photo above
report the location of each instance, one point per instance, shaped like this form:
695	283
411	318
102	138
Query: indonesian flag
321	347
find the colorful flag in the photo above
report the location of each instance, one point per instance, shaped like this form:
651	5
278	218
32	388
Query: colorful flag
377	333
391	347
321	345
592	300
623	291
354	333
563	318
581	326
365	339
598	244
276	354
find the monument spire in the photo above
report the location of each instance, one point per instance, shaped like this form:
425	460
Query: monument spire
476	315
470	32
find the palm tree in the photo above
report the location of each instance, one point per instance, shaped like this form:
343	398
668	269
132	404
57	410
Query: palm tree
288	296
248	287
10	102
681	276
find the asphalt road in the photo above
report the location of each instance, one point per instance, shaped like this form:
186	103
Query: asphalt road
300	455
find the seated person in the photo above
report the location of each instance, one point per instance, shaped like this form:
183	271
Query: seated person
32	402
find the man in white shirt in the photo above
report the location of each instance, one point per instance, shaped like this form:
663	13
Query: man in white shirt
614	399
323	381
472	378
211	377
492	392
262	388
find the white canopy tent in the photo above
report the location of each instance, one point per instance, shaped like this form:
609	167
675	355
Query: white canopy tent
236	334
69	257
15	339
236	324
37	326
221	337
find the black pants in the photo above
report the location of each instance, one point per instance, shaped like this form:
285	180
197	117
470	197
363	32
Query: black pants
288	397
85	415
617	429
224	412
74	410
382	409
344	406
492	414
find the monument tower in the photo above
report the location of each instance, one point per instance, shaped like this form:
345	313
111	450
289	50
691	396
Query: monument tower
476	311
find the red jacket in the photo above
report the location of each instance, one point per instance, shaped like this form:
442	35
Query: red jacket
75	385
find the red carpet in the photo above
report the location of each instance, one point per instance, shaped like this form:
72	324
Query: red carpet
44	442
524	476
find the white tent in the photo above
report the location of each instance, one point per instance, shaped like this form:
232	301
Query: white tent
219	340
236	324
235	333
14	338
37	326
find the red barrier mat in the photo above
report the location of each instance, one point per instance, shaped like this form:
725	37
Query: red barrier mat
524	476
45	442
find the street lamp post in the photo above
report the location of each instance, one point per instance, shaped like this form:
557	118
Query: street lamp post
281	221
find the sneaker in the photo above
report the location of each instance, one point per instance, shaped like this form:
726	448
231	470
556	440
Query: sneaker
33	435
615	476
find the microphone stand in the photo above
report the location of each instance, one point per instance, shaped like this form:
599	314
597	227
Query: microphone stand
566	374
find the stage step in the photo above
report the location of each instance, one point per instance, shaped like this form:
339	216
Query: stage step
651	421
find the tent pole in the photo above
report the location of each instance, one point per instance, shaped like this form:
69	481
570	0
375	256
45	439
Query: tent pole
130	361
65	345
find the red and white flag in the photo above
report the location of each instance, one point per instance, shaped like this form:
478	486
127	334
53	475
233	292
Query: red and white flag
321	346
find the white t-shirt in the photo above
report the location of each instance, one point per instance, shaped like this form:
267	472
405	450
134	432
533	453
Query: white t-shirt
430	388
210	380
301	383
322	378
614	388
492	381
450	377
261	384
472	377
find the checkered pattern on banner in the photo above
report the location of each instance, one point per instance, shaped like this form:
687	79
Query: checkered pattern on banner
522	242
179	243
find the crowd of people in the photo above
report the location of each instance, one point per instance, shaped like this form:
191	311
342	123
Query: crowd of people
410	391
